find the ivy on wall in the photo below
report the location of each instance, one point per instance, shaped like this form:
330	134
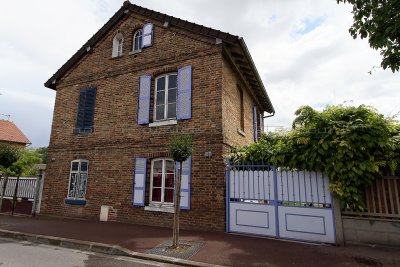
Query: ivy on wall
351	145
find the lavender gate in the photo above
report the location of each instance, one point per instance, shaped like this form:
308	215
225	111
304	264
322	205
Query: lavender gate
268	201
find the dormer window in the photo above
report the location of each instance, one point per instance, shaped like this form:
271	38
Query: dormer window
117	45
137	41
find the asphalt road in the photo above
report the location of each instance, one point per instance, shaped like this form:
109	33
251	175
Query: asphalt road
21	253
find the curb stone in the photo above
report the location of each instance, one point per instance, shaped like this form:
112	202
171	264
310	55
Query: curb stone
97	247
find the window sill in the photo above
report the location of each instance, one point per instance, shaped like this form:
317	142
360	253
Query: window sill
165	209
135	52
241	132
80	202
83	131
163	123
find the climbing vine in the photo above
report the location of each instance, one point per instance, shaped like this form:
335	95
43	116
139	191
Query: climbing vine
351	145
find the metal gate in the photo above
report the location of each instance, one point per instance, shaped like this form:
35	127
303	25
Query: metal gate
268	201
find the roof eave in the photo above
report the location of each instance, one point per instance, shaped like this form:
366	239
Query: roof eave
269	107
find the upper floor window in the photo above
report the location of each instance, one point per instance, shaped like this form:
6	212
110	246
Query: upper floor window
78	179
118	45
165	97
137	41
172	98
162	181
85	114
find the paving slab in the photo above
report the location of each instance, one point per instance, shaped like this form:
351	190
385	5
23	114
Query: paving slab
218	248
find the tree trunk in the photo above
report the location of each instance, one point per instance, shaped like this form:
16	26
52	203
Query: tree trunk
3	190
15	196
175	232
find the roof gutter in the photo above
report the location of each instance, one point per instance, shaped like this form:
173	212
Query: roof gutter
270	115
257	75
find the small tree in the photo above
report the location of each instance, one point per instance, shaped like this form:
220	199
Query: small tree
8	156
25	166
181	148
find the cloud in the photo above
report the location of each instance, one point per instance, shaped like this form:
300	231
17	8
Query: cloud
302	50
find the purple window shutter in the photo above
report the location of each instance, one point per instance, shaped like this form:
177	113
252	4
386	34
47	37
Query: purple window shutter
261	123
139	182
184	105
144	99
255	123
185	184
147	37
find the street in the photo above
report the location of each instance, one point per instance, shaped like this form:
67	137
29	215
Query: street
22	253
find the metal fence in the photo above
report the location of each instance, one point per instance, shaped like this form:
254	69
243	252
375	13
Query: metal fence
26	187
382	199
255	183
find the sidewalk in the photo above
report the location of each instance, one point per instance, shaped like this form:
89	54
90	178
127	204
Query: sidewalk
219	248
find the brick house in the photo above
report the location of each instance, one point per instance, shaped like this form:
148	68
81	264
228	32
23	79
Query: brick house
11	134
142	78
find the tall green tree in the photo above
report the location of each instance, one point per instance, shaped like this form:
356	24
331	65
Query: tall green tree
379	21
181	148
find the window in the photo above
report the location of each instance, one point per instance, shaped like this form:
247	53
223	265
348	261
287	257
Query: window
117	45
162	181
241	109
85	114
137	41
165	97
172	98
78	179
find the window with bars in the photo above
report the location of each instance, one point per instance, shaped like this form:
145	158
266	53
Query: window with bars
78	179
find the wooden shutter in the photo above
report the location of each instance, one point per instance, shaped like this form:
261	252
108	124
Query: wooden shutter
147	38
255	123
81	111
184	108
85	114
89	110
185	184
139	182
144	99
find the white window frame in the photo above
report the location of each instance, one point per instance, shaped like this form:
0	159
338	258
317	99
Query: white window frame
118	43
161	203
137	34
79	172
166	89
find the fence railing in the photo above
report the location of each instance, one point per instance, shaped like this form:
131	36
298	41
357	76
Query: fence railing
263	184
26	187
382	199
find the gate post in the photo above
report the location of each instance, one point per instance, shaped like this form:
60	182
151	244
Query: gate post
274	170
38	188
337	216
227	196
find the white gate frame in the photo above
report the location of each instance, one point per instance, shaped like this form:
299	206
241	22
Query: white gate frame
280	208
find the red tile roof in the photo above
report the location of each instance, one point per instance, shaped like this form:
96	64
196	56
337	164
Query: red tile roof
9	132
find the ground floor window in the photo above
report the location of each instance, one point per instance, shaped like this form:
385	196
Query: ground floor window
78	179
162	181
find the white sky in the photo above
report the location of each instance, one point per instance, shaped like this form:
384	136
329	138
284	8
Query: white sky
302	50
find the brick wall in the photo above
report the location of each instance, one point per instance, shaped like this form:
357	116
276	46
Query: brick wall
117	138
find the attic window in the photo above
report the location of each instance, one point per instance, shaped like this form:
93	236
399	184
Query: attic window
117	45
137	41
